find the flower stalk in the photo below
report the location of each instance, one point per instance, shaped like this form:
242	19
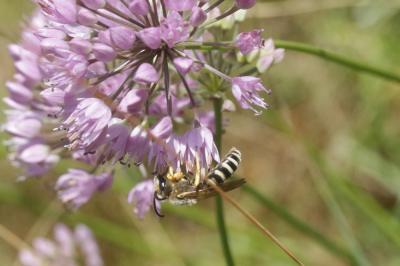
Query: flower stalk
308	49
338	59
218	200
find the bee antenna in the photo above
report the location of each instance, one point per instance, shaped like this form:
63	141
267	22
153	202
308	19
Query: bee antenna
159	214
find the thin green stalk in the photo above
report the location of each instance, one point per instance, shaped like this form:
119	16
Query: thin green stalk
299	225
218	201
308	49
339	59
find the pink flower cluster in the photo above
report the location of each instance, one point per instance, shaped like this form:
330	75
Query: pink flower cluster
67	248
108	81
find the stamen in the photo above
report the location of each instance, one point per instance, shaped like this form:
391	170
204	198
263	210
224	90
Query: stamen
119	13
164	9
184	82
157	21
166	83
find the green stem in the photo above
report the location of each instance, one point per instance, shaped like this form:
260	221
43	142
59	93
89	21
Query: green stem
299	225
308	49
218	201
337	58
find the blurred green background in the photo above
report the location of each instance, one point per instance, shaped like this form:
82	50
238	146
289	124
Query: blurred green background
325	159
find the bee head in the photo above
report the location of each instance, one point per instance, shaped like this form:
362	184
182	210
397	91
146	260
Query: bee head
162	187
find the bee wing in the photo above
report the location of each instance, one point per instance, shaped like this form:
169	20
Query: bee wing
210	192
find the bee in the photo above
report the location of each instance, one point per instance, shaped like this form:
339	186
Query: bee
181	189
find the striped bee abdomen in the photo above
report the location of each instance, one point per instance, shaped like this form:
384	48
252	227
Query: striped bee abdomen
227	167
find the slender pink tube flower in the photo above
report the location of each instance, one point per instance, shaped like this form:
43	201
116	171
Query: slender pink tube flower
76	187
142	196
246	90
245	4
249	41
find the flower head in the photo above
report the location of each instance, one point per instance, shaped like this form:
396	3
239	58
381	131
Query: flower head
114	81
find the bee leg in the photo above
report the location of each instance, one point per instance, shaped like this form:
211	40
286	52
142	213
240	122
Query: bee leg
156	210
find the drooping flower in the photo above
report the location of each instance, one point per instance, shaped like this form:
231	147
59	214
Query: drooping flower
199	145
142	196
87	122
139	7
245	4
249	41
181	5
174	29
133	102
160	151
63	11
198	16
269	55
35	157
146	73
207	119
76	187
88	245
115	142
246	89
68	248
183	64
151	37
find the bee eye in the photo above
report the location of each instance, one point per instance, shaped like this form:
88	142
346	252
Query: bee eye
162	183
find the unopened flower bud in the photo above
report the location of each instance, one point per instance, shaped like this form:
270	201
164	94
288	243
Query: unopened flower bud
245	4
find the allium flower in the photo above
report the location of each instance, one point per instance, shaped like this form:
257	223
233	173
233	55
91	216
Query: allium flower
249	41
246	89
88	246
34	157
198	16
68	248
142	196
104	82
269	55
115	142
182	5
87	122
174	29
207	119
76	187
245	4
199	142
